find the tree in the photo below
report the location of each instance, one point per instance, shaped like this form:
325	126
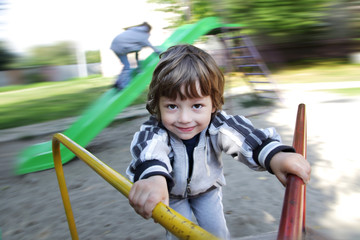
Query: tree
279	21
276	21
62	53
6	57
187	11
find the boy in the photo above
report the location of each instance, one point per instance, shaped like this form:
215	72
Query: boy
177	152
133	39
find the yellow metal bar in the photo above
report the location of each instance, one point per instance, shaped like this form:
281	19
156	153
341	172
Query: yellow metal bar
63	189
164	215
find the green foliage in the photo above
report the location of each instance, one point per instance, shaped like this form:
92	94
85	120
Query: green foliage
275	21
93	56
62	53
172	6
279	21
187	11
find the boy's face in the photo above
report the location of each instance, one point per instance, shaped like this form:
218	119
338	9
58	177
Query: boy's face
186	118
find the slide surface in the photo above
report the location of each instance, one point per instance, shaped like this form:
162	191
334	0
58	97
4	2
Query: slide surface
102	112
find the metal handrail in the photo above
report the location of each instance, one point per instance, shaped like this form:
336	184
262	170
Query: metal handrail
164	215
292	222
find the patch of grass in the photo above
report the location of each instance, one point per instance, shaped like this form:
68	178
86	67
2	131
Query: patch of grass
25	86
346	91
44	84
36	103
317	71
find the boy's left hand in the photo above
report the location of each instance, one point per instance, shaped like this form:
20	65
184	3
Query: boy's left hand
284	163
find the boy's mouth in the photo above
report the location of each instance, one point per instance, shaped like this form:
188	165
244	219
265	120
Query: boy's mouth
188	129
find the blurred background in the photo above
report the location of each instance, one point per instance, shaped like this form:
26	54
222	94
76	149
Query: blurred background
55	60
51	41
42	33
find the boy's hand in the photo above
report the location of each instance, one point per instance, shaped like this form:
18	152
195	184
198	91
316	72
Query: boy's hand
284	163
147	193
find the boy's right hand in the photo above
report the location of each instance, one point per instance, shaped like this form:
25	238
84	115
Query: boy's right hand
145	194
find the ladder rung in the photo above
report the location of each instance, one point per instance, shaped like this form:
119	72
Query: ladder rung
254	61
253	74
248	65
240	57
259	82
238	47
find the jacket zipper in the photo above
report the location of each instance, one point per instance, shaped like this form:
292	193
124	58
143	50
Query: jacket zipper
188	180
188	190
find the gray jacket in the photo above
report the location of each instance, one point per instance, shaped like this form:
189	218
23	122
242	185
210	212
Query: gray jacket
131	40
156	151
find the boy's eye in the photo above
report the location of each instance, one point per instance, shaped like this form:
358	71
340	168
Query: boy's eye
171	106
197	106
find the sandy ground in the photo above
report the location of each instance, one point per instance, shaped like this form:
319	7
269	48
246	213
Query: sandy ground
31	206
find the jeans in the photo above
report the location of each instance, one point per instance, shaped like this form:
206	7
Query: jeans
124	77
124	60
208	210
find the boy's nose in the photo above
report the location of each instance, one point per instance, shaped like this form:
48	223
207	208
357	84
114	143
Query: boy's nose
184	116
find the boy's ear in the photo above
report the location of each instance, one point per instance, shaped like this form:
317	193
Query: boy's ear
213	110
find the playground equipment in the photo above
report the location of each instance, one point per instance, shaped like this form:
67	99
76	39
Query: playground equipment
100	114
245	58
164	215
105	109
292	223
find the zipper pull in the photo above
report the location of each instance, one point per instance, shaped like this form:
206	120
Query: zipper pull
188	190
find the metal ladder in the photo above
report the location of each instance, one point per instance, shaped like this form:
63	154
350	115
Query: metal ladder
245	58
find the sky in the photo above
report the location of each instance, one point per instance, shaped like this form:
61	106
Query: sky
90	23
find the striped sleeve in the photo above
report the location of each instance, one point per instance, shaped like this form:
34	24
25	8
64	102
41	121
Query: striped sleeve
150	150
254	147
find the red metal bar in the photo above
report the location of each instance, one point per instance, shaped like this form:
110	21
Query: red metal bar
292	222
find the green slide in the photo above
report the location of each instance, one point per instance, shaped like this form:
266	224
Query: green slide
110	104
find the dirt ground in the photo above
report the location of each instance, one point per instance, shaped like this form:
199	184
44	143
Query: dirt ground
31	206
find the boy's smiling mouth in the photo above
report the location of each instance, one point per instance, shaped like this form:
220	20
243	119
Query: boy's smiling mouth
187	129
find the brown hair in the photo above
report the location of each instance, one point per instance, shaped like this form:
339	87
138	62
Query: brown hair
185	65
140	25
